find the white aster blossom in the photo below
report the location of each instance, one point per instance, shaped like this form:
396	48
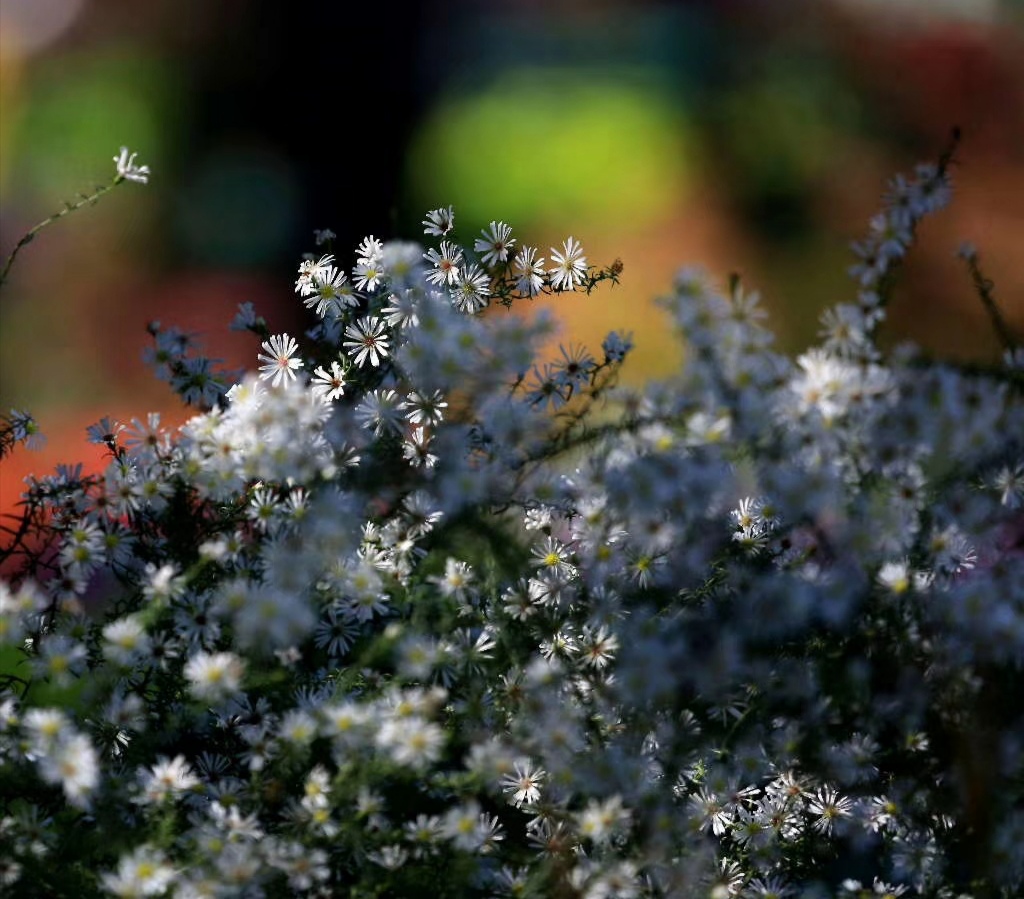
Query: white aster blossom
143	872
494	243
570	266
439	221
367	341
279	359
529	271
167	779
128	169
214	677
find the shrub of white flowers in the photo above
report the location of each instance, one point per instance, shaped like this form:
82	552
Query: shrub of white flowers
410	613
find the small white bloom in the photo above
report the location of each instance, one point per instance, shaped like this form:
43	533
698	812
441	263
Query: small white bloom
367	340
411	741
600	819
329	293
471	290
127	170
382	411
167	778
45	727
1009	482
164	583
829	807
125	639
329	384
896	577
445	262
369	250
529	271
310	271
368	273
74	764
143	873
570	266
456	580
494	243
416	449
298	727
214	676
439	221
280	360
523	783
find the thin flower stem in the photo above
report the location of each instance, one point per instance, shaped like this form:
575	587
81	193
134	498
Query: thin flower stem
985	289
30	235
889	279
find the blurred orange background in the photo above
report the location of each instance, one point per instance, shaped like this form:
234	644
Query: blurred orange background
743	136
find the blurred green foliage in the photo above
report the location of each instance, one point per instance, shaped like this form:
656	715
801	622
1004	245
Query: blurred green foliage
78	109
554	147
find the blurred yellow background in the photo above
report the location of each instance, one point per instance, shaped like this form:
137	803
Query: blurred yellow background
743	136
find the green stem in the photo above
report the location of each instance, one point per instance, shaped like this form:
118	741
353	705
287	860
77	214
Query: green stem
28	237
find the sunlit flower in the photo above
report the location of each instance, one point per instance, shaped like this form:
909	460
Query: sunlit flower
529	271
830	807
144	872
367	341
495	243
328	293
168	778
128	170
570	266
329	384
311	271
439	221
214	676
445	261
74	764
523	783
125	640
471	290
280	361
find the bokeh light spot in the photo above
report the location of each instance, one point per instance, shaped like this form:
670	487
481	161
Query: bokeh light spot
545	146
29	25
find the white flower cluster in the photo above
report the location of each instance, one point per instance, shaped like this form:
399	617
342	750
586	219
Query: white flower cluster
412	614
